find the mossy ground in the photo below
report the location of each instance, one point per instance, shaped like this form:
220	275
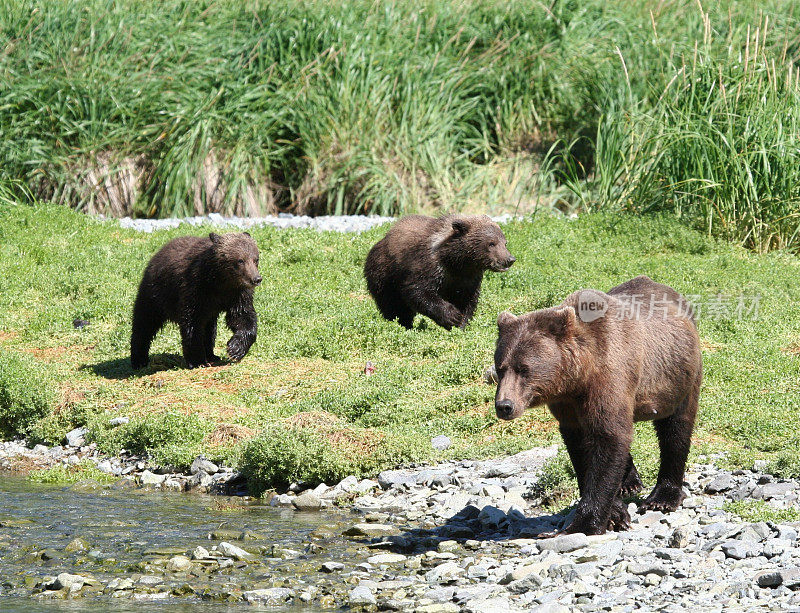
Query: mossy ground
318	327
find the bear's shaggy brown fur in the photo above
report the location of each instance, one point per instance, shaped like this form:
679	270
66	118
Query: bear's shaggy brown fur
190	281
600	362
434	266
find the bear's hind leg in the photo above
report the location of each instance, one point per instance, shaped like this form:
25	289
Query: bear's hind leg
147	321
674	439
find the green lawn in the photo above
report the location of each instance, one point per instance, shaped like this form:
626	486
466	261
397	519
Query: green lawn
302	383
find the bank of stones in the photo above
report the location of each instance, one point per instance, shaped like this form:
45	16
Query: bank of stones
462	536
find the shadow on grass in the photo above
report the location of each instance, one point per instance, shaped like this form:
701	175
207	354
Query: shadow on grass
121	368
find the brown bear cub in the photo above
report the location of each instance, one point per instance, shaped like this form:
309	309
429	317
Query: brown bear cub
601	362
434	266
190	281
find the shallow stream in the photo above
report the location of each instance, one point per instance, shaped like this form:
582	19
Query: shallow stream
133	534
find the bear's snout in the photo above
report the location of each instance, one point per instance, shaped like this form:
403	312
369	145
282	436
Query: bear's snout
256	280
503	263
504	409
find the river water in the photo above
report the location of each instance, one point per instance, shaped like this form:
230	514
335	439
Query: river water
132	533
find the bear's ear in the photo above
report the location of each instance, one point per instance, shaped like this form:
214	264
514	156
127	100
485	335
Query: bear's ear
215	238
563	322
505	318
247	234
460	227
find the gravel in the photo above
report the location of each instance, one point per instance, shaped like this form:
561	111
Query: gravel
462	535
324	223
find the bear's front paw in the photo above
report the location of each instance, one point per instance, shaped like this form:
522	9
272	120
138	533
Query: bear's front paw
451	318
236	349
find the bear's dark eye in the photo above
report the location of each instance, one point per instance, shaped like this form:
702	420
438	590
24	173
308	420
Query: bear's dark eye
493	244
241	261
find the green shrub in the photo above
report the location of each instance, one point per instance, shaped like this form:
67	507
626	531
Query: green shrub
26	393
170	438
557	482
282	454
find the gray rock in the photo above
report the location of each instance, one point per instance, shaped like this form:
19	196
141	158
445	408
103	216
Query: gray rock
269	596
331	567
391	478
679	538
639	568
387	558
490	516
148	478
77	437
307	501
739	550
773	490
232	551
206	466
786	576
118	421
179	564
361	596
564	543
441	442
444	573
440	594
68	581
721	483
528	583
371	530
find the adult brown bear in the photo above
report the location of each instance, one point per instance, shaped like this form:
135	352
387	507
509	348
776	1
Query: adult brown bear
600	362
435	266
190	281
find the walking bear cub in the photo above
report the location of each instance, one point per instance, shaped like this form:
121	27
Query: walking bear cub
434	266
601	362
190	281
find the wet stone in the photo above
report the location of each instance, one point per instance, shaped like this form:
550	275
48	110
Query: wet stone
564	543
307	501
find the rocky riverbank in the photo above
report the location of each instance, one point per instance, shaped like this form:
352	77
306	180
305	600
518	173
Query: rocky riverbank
459	536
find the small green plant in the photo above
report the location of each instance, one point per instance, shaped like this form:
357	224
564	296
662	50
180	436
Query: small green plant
284	453
758	510
170	438
26	393
556	485
61	475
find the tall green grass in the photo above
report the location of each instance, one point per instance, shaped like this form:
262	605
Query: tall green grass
174	107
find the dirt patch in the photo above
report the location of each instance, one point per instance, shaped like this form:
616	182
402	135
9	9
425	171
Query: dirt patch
7	335
312	419
225	435
708	346
794	348
59	353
